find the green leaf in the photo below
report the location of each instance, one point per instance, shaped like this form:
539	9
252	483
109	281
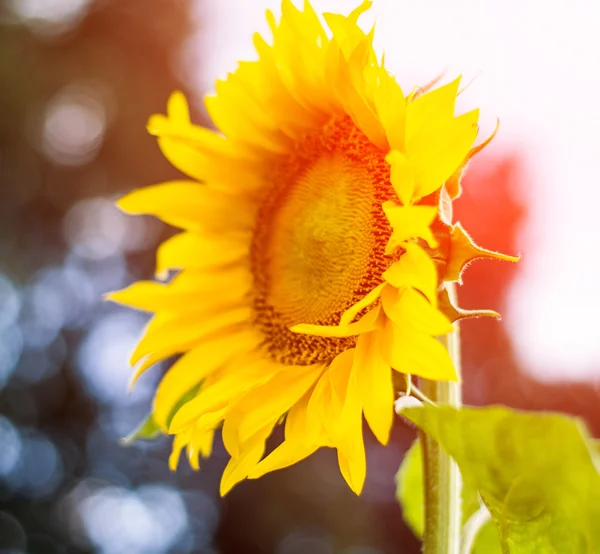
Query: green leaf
409	489
189	395
487	540
595	447
534	472
410	495
148	429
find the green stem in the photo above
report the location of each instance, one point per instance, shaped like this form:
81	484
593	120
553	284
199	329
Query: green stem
471	529
443	510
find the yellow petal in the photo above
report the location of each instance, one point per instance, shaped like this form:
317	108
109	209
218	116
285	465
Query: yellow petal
263	79
177	126
325	404
304	24
296	421
391	107
416	354
317	422
345	32
200	445
339	375
349	440
237	115
359	10
352	461
335	408
345	29
195	366
453	184
375	383
189	290
179	443
442	152
209	420
402	176
140	295
173	333
416	269
285	455
199	153
371	297
243	174
348	84
409	308
223	389
266	404
298	443
239	467
204	140
409	222
142	366
367	323
438	135
429	108
301	69
178	202
192	251
190	205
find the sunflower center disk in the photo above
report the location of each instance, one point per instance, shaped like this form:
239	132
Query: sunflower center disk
319	243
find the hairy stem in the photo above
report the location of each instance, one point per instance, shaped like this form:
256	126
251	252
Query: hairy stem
442	478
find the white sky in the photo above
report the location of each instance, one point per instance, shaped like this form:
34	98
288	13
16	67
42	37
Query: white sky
536	64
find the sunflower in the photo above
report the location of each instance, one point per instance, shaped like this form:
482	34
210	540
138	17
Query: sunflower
316	242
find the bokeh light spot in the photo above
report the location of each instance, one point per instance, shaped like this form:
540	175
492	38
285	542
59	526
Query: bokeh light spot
96	229
103	357
10	302
50	17
11	348
74	125
39	471
150	520
11	446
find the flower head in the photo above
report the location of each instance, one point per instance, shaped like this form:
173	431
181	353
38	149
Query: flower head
314	249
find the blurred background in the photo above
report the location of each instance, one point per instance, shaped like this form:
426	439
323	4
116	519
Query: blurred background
78	80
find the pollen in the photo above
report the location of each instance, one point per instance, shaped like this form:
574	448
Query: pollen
319	241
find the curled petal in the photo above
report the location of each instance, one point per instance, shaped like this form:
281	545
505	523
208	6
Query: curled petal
367	323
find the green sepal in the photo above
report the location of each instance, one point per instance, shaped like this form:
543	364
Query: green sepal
149	430
454	313
463	251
